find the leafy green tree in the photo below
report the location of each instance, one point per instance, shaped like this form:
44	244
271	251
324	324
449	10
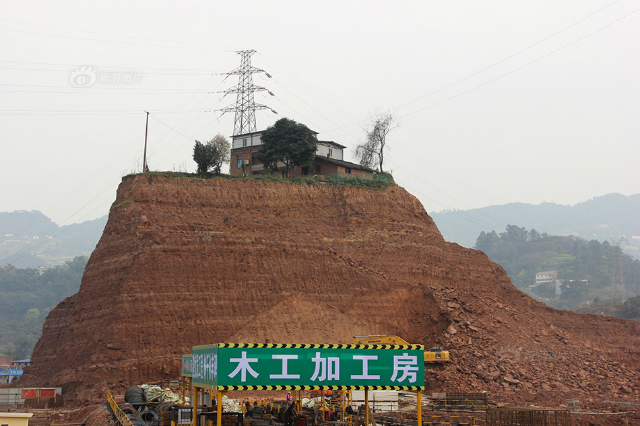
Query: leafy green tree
631	307
534	235
33	314
211	155
287	142
487	242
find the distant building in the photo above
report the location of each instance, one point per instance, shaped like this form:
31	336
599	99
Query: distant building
9	375
329	159
545	277
20	364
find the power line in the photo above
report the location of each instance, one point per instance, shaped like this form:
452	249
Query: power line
503	60
116	35
113	41
129	147
507	58
477	221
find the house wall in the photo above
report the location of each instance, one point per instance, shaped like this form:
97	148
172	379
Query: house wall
255	166
323	150
252	140
245	153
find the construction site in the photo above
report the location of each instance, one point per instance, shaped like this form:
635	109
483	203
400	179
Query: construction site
186	262
347	301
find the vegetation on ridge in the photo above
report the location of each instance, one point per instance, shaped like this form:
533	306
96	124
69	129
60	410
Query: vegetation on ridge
27	296
586	267
300	180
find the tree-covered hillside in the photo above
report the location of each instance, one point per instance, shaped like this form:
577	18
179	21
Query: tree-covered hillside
587	267
27	296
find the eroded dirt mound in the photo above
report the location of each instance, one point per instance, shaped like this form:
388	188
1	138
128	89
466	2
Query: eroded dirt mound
184	262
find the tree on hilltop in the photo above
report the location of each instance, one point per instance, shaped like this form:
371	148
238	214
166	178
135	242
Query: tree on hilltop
371	152
211	155
287	142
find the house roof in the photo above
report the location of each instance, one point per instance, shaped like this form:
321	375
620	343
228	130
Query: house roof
344	163
247	134
331	143
258	132
22	360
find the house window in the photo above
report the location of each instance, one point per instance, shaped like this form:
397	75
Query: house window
244	142
318	169
239	161
330	152
347	169
305	171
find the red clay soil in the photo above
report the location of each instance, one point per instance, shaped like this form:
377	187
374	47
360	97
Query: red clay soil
185	262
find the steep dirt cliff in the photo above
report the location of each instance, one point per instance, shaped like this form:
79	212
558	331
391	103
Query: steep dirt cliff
184	262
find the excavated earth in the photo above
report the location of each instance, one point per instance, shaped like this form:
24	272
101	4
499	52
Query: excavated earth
185	262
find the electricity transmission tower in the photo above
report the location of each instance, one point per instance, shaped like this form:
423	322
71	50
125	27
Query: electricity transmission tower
618	272
245	106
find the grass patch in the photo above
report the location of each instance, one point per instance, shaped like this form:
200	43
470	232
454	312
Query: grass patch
299	180
122	203
360	183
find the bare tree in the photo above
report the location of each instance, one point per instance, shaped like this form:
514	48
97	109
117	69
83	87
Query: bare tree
371	152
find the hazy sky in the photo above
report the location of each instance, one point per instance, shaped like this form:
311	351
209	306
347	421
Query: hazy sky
498	101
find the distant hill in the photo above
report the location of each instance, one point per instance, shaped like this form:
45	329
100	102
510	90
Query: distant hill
30	239
27	296
585	268
601	218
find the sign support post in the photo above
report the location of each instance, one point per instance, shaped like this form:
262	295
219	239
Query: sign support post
366	407
194	403
419	408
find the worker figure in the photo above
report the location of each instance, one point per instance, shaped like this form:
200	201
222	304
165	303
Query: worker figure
289	398
290	414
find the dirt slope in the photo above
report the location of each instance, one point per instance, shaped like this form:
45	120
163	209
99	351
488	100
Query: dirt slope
185	262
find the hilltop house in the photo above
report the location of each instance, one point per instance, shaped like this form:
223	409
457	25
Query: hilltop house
329	159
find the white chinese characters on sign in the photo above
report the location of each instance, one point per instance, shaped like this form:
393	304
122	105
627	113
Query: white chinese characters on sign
326	368
365	368
243	367
406	364
205	366
284	374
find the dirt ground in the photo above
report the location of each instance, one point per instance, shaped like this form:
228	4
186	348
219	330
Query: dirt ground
607	414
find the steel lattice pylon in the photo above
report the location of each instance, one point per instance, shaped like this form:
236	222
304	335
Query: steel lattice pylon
245	106
618	271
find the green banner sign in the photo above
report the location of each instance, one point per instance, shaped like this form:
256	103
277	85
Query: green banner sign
187	365
277	366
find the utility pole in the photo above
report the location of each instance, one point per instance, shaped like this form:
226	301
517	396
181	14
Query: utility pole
144	156
245	106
